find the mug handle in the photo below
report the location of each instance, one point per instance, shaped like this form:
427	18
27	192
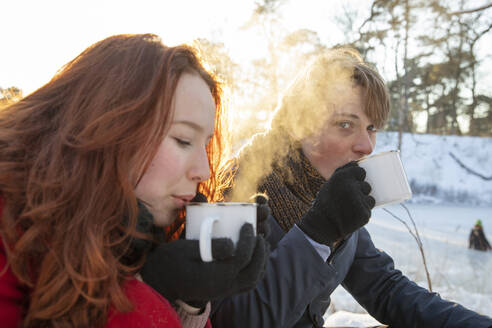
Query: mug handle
206	239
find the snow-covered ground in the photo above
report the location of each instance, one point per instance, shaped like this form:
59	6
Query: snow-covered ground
457	273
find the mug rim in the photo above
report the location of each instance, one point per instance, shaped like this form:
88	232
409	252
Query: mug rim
378	154
222	204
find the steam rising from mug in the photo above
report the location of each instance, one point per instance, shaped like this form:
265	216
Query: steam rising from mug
304	109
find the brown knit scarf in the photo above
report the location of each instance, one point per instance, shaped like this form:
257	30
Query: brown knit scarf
291	187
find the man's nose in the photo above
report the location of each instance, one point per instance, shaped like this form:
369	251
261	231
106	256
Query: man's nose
364	144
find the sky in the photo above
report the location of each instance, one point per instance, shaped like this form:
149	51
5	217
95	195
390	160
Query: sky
38	37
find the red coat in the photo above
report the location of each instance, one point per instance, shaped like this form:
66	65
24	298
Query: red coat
150	308
11	294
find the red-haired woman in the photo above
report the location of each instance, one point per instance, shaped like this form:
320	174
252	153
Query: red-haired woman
95	168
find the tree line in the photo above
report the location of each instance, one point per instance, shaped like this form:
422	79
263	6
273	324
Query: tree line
440	77
9	95
434	47
437	76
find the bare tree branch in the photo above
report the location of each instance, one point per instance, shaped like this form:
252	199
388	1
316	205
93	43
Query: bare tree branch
371	16
416	236
468	11
469	170
482	33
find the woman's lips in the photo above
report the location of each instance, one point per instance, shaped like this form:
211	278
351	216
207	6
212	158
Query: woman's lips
182	201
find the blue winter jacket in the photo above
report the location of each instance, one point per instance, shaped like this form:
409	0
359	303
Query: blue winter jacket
296	289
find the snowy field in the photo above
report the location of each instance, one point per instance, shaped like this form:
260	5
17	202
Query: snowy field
457	273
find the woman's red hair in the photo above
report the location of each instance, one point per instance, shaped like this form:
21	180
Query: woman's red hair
71	154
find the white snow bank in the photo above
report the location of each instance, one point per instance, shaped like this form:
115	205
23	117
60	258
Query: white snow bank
349	319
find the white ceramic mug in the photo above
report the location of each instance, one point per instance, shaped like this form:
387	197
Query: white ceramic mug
386	175
205	221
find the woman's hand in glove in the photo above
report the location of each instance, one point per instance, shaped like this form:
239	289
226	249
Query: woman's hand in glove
176	270
342	206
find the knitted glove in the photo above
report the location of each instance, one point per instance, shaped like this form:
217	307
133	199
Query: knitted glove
342	206
199	198
262	213
176	270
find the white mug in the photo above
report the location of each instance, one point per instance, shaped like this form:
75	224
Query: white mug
205	221
386	175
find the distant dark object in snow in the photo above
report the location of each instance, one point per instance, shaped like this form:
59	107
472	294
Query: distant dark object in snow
477	239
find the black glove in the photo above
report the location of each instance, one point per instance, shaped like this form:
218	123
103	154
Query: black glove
262	213
199	198
176	270
342	206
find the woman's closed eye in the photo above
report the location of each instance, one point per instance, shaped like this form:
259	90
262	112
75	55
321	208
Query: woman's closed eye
182	142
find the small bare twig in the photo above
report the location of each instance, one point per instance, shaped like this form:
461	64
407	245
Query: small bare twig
468	11
469	170
416	236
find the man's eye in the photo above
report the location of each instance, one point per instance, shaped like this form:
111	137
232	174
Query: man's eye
344	125
372	128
